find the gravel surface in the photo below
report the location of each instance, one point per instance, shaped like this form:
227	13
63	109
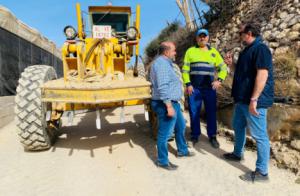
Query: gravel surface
119	160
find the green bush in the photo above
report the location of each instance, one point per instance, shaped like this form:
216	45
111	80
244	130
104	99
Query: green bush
152	48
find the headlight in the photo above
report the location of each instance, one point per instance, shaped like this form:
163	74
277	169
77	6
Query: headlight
70	32
132	33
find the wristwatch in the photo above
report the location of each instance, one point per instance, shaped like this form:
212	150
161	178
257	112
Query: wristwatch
220	80
254	99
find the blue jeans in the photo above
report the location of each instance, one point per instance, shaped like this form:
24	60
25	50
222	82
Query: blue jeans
209	97
166	126
258	130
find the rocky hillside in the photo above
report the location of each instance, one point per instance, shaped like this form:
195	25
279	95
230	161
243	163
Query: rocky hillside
280	27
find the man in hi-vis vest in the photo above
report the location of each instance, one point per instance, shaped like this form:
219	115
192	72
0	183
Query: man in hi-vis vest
198	72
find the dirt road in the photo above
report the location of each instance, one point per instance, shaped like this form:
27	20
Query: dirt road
118	160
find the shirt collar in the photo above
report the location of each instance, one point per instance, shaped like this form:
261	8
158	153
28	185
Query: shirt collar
256	41
166	58
207	45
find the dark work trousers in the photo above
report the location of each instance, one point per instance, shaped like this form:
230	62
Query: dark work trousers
209	97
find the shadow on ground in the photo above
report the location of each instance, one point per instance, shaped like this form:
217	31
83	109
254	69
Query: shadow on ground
204	147
85	136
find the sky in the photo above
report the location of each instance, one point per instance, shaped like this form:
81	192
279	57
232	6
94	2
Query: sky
50	17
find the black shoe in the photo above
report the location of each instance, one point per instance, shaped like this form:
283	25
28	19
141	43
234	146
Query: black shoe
171	138
189	154
232	157
254	176
214	142
169	167
192	142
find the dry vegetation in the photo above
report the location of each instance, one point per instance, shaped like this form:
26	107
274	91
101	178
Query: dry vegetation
220	13
284	70
285	65
173	32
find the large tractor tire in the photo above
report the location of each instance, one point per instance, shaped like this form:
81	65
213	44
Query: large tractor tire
141	70
30	112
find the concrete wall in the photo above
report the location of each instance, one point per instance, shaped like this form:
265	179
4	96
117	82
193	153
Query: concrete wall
6	110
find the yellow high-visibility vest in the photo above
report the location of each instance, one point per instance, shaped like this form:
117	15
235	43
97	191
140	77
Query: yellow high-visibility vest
200	66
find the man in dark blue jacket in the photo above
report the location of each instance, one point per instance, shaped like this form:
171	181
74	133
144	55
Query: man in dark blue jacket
253	93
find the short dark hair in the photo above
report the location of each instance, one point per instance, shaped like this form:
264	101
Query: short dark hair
164	46
253	28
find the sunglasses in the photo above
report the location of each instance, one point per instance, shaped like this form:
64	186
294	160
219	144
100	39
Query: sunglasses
241	32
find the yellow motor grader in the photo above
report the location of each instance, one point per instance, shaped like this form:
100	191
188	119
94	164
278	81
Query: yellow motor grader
95	76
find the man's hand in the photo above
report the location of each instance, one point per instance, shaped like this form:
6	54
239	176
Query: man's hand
260	82
190	90
229	59
170	110
216	84
252	108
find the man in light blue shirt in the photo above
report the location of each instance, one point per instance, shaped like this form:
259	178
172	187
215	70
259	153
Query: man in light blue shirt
166	94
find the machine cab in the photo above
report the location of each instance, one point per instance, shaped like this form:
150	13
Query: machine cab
112	21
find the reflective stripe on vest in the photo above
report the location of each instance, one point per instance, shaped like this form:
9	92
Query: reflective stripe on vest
202	64
202	73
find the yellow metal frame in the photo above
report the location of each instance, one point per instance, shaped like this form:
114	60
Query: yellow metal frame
113	54
56	106
105	56
94	96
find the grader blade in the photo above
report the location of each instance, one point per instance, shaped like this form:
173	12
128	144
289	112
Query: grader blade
96	92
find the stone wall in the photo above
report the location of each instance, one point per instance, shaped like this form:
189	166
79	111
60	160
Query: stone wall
280	27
